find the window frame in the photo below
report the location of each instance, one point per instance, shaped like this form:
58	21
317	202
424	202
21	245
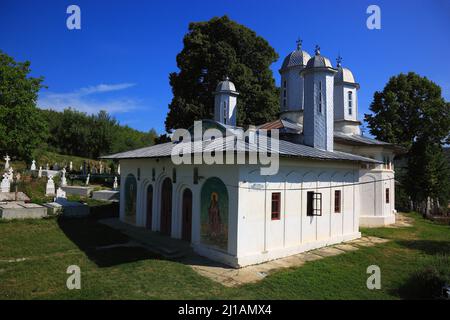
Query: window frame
275	214
337	204
350	102
387	194
314	204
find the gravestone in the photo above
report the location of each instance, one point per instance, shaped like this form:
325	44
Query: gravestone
101	168
7	158
10	174
60	193
33	165
47	167
63	178
40	172
50	188
87	179
70	166
115	185
6	184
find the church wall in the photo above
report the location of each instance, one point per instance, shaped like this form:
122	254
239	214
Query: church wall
260	238
184	179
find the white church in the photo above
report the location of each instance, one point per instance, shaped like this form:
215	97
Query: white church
331	179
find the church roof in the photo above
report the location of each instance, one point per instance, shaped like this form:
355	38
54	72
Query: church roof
295	58
344	75
285	149
225	85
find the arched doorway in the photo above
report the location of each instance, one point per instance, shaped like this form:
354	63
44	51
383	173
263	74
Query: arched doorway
186	210
148	222
214	214
166	207
130	199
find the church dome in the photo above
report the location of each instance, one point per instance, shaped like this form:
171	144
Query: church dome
225	85
318	61
344	75
296	58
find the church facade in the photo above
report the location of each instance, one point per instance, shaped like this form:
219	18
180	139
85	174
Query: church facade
330	179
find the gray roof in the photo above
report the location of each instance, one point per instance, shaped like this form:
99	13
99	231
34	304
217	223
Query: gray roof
358	139
318	61
226	86
286	149
344	75
295	58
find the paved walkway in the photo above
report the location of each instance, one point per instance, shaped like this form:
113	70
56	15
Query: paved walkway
401	221
228	276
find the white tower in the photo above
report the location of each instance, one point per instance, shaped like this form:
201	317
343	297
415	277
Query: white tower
318	112
292	93
345	101
225	102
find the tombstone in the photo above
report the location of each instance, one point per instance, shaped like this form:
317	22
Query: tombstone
101	168
33	165
5	185
115	185
7	158
10	174
47	167
40	172
63	177
60	194
118	169
87	179
50	188
70	166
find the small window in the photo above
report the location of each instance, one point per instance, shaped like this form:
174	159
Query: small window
276	196
319	97
350	103
387	195
153	174
225	115
314	204
337	201
174	175
195	175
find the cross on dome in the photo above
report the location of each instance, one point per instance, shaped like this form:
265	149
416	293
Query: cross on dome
317	50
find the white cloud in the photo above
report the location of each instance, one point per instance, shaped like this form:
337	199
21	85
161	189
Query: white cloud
85	100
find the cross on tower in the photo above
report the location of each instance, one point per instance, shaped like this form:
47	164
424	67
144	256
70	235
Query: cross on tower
339	60
299	44
317	50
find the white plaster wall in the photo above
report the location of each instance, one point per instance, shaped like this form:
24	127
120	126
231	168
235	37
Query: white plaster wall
260	238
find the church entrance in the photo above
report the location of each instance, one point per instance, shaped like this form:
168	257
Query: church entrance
148	223
166	207
186	215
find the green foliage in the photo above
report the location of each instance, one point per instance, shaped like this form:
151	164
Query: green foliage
76	133
21	126
212	50
411	112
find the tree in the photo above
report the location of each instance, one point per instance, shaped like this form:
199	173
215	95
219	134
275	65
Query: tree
212	50
22	129
411	112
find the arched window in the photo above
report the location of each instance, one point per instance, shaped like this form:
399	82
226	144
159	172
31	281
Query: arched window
350	103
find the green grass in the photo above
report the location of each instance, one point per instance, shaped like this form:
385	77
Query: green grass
51	245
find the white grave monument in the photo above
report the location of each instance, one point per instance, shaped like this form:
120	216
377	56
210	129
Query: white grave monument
50	188
10	174
63	177
101	168
115	185
33	165
60	194
7	158
5	185
70	166
87	179
40	172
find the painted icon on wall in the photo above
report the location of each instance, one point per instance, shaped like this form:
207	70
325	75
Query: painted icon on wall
214	214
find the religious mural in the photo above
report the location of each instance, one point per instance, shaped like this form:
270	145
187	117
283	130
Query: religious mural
130	198
214	214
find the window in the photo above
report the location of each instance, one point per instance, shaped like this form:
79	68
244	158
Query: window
350	103
314	204
337	201
225	115
284	94
174	175
276	196
387	195
319	97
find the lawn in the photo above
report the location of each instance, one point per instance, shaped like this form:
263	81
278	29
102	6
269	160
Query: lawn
49	246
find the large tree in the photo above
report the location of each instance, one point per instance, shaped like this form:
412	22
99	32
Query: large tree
212	50
22	129
410	111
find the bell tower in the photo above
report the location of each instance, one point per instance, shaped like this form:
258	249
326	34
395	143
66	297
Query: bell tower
225	101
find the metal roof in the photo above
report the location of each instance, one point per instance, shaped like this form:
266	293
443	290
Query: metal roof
358	139
285	149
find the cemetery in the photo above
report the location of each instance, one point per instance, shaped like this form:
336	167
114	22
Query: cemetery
43	189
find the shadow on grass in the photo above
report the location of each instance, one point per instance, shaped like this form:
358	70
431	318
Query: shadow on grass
89	235
431	247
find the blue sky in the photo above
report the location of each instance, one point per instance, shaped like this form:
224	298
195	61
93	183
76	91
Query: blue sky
121	58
